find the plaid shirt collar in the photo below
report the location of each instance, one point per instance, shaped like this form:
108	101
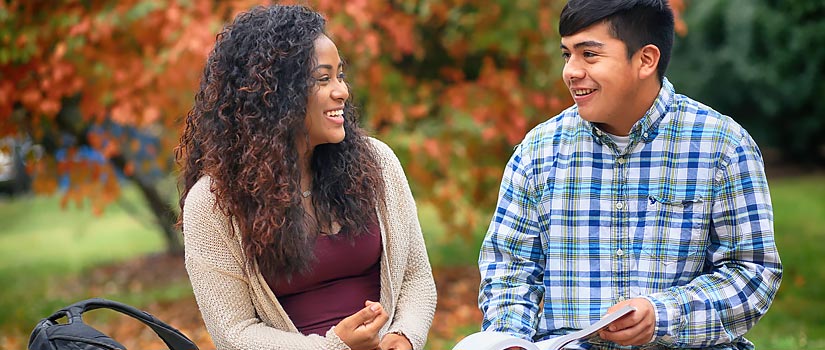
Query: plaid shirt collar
646	128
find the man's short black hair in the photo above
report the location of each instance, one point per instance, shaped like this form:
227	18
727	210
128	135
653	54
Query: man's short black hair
635	22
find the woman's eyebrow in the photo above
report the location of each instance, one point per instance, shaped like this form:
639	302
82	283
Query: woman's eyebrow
322	66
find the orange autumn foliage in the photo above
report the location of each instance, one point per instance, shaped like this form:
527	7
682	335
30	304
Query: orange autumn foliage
452	86
73	69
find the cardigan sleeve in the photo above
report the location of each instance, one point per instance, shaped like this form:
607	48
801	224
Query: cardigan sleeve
415	306
215	266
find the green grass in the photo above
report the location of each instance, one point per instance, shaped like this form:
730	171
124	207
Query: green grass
796	319
445	249
42	245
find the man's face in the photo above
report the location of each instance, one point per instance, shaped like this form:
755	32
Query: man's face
602	80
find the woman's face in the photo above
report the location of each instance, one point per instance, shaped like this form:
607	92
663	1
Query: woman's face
325	108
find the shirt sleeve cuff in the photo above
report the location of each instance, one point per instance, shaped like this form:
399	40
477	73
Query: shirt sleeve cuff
399	332
669	321
333	341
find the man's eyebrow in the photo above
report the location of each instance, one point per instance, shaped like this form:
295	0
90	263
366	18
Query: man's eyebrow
589	43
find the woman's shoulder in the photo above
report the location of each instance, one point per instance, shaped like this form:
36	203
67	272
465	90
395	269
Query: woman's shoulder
200	197
389	162
381	148
383	152
201	216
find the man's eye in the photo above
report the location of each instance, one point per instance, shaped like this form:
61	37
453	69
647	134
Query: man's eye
589	54
565	55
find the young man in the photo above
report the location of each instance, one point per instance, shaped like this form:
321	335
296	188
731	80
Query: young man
635	195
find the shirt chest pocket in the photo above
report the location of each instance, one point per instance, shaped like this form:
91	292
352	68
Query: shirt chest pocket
675	233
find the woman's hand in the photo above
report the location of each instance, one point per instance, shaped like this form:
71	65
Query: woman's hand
360	331
393	341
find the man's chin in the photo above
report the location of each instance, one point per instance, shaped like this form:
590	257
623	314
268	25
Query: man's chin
588	117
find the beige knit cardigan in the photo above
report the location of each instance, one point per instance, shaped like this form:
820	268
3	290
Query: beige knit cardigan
241	312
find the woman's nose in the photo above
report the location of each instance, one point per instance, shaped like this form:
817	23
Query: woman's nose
340	91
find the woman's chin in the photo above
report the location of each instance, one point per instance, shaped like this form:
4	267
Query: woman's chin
337	138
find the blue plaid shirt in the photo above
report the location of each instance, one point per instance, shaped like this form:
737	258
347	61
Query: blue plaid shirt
682	217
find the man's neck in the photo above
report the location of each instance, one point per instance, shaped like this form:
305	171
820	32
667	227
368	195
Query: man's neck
645	97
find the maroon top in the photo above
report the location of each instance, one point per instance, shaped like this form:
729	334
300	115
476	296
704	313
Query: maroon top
344	275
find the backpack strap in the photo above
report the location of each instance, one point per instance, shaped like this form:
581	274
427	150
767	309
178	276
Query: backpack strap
173	338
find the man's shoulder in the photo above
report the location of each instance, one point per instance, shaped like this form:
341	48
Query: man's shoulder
562	125
695	115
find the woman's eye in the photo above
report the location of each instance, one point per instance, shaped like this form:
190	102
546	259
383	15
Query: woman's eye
342	76
323	79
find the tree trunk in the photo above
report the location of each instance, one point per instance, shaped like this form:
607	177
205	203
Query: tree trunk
69	121
165	215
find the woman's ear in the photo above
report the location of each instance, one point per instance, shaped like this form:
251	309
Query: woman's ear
649	60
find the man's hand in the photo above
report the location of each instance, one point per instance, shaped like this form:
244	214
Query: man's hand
360	331
394	341
635	328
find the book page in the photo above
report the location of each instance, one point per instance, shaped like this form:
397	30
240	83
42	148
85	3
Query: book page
501	341
493	341
559	342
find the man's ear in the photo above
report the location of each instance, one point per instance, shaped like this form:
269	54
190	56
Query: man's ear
648	57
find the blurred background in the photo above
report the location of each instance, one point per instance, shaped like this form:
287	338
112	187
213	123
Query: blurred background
92	96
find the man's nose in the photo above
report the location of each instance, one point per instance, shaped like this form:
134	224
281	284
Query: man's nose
572	70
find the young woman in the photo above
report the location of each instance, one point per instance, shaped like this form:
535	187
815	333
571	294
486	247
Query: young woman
300	231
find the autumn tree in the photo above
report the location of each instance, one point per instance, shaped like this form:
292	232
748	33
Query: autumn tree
452	85
110	78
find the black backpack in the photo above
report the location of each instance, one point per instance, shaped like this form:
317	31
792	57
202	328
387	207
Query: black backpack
50	335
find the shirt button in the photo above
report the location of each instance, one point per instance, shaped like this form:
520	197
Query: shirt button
645	135
619	205
620	160
620	252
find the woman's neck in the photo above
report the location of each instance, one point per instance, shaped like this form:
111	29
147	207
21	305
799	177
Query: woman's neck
305	164
304	159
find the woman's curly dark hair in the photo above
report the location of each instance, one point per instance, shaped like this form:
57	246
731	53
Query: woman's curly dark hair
242	131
